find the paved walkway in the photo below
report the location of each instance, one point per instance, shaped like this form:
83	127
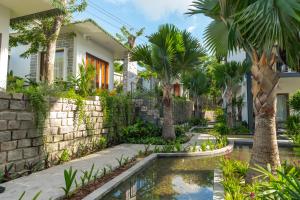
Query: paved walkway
51	180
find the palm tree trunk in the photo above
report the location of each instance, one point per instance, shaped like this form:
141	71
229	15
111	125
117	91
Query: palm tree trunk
229	109
51	48
168	128
265	80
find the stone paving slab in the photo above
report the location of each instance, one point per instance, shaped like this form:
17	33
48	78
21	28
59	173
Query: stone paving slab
51	180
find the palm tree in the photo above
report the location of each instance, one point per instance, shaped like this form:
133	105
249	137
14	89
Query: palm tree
169	53
197	84
128	37
261	28
227	76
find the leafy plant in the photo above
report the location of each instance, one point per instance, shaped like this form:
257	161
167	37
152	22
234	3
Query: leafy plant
284	184
102	143
64	156
120	161
222	128
35	197
84	81
295	101
69	176
104	171
178	147
8	174
147	149
33	166
96	174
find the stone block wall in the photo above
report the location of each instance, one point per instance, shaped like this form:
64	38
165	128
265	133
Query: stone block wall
21	142
149	109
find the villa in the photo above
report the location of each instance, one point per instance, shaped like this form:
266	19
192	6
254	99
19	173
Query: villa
79	42
12	11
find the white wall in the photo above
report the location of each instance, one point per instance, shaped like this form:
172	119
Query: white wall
19	65
4	30
83	46
288	85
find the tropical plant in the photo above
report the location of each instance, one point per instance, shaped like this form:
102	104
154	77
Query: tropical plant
87	175
83	82
295	102
197	83
228	75
284	184
262	28
169	53
64	156
70	176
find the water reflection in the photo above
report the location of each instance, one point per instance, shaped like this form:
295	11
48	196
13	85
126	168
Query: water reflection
169	179
180	178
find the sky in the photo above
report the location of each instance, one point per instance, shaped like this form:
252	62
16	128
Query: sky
112	14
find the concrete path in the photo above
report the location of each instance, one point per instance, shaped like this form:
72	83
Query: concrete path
51	180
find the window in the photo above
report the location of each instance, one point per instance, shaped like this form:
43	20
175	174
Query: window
102	74
58	66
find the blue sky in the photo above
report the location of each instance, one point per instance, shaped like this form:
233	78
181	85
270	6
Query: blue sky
144	13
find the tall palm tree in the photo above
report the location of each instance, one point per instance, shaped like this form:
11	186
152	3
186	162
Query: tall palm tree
169	53
261	28
197	84
227	76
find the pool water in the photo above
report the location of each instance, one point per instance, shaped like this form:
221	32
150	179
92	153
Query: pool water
168	179
180	178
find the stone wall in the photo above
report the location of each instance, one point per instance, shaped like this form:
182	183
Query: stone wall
151	110
21	142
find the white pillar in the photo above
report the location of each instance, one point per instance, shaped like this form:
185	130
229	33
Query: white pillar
4	32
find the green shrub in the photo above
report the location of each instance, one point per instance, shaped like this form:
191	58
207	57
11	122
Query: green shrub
141	129
293	128
179	130
220	115
197	121
84	83
101	143
64	156
221	128
295	101
241	129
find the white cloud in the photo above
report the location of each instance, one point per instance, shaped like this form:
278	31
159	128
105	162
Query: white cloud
157	9
191	29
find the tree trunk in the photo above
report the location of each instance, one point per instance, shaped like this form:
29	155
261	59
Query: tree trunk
264	84
51	48
168	128
229	108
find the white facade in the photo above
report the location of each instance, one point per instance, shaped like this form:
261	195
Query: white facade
4	39
132	76
84	46
18	65
88	39
13	9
